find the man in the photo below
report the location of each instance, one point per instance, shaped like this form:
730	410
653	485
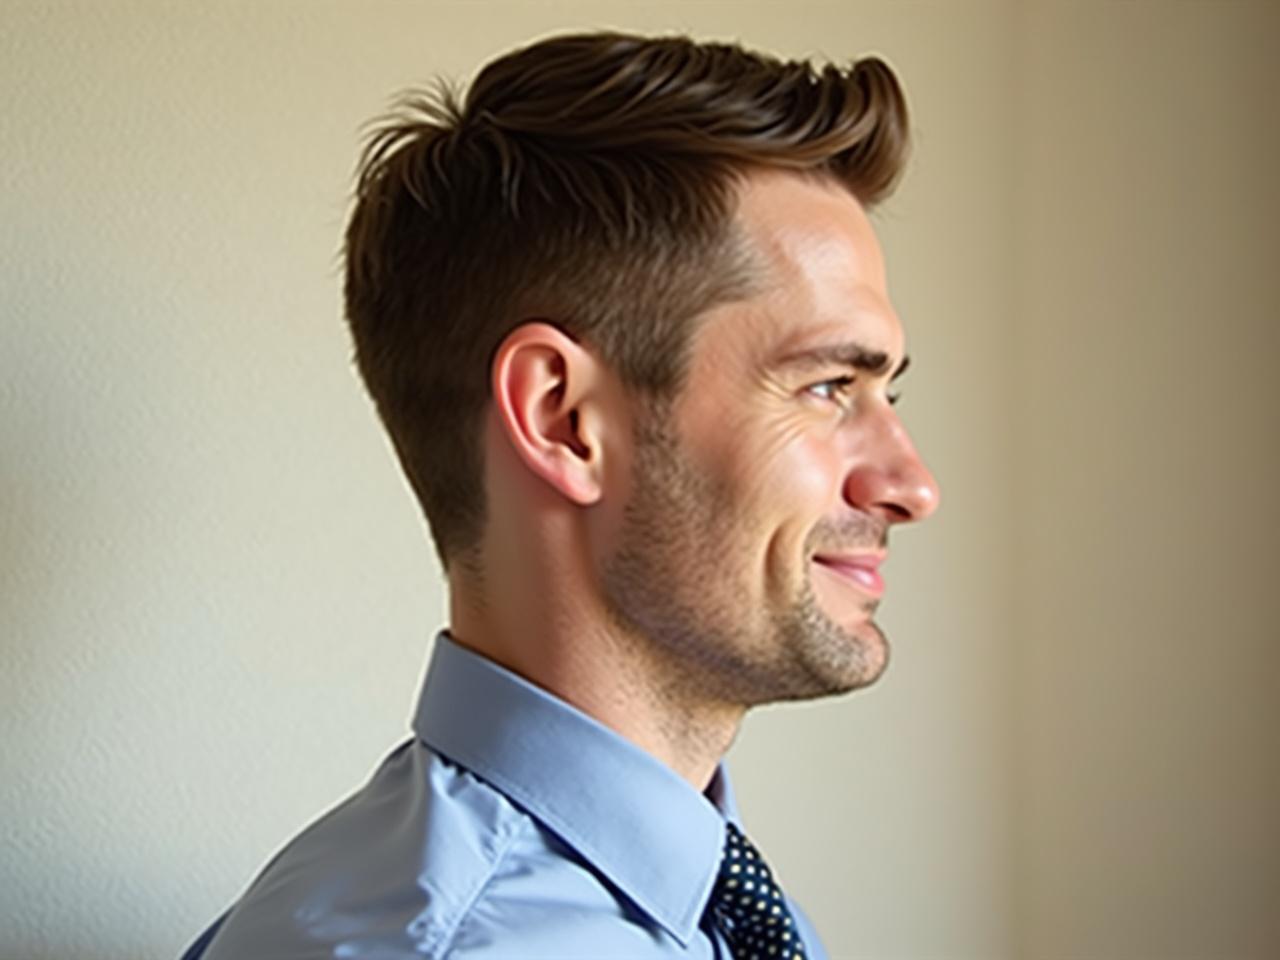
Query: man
625	320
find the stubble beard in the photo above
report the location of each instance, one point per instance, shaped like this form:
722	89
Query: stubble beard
676	588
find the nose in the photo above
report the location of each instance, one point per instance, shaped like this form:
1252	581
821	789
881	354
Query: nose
889	479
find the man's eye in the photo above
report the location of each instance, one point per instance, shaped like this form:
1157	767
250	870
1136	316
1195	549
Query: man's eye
833	389
840	387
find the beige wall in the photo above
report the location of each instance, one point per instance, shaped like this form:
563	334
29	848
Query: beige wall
1147	326
216	594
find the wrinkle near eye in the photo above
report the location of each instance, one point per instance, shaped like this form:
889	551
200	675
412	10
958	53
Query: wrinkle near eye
769	383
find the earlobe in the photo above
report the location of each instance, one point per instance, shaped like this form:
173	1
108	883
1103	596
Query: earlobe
544	385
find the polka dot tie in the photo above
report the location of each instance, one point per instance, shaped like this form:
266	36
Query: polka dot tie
749	907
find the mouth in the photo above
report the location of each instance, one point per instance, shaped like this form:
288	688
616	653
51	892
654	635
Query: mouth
860	571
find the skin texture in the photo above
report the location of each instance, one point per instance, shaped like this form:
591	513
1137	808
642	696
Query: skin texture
656	568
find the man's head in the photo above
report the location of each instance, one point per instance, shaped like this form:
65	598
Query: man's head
590	181
624	316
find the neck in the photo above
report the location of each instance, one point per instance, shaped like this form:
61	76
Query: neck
618	680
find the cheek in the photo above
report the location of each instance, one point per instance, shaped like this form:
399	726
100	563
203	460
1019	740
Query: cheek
811	472
797	480
797	486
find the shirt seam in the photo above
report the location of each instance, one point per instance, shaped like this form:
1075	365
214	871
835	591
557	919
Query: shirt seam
450	933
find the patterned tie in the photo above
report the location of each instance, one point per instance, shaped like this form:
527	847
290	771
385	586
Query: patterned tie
749	907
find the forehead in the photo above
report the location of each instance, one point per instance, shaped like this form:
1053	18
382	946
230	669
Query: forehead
819	268
801	224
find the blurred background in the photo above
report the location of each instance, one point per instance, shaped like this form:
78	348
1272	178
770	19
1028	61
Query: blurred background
217	594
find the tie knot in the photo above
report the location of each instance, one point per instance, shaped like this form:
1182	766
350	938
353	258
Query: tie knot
749	907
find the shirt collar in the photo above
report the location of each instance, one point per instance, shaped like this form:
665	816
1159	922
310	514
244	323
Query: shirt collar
629	814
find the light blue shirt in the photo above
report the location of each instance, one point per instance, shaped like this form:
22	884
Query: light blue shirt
511	825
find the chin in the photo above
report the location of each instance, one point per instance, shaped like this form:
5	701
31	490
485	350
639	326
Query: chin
871	656
856	660
876	669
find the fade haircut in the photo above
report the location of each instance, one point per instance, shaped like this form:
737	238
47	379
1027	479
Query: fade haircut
588	181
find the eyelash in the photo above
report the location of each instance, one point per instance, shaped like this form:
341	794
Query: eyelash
845	382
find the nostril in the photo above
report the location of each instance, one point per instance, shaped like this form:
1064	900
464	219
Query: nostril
899	511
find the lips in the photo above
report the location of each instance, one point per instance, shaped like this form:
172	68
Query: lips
861	570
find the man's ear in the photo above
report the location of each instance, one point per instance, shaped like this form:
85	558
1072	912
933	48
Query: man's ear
550	395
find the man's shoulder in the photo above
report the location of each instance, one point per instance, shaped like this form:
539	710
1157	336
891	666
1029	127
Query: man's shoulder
397	864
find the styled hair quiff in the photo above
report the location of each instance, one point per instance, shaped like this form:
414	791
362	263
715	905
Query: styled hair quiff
587	181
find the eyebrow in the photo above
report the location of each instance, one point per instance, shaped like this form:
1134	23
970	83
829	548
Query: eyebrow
850	354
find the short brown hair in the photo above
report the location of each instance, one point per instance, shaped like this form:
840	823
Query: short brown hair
586	180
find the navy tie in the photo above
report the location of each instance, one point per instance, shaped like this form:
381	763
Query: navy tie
749	907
